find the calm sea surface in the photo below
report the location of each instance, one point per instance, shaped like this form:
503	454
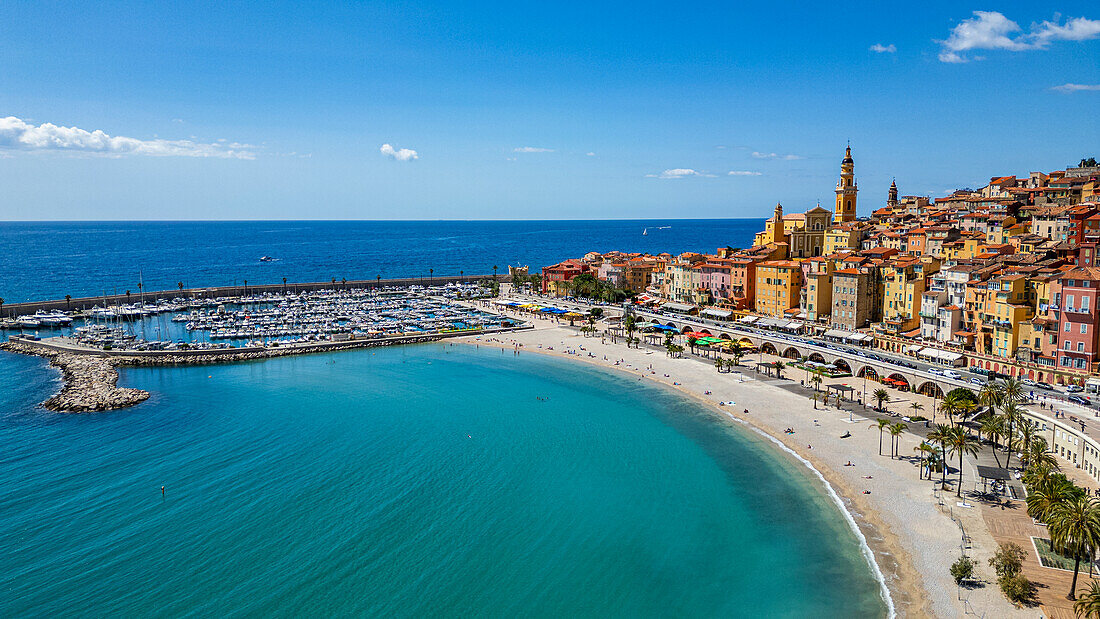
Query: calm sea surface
50	260
424	480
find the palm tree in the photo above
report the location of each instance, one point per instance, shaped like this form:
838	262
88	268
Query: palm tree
180	284
736	353
994	429
691	343
816	380
916	407
1046	495
895	431
815	396
881	424
778	365
881	396
1039	456
1012	390
960	442
1088	607
938	436
991	394
284	285
1075	526
494	272
68	299
1025	434
719	363
926	451
1013	417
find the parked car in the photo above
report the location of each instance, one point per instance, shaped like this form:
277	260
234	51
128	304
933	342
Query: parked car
1044	386
936	372
1076	399
1074	388
977	381
952	374
1028	382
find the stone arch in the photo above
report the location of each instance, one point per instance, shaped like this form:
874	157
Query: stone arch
816	356
792	353
900	377
673	326
769	349
842	365
746	340
931	389
707	331
867	372
725	336
686	329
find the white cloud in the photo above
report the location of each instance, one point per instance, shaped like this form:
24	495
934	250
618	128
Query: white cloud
1076	87
992	30
531	149
17	134
403	154
758	155
679	173
590	154
884	49
743	173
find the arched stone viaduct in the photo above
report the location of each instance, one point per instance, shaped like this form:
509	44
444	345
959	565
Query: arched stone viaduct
858	366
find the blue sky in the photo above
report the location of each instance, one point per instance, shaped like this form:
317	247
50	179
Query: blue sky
527	111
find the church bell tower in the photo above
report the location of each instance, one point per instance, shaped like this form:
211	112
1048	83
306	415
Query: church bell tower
846	190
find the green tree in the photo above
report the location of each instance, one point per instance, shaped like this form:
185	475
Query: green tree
719	363
881	424
1008	560
925	451
1075	527
736	353
939	436
1088	605
815	396
881	396
778	365
691	340
1088	163
960	442
1013	417
916	407
994	428
895	431
963	569
816	379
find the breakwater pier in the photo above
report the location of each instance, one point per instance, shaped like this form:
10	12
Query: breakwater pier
88	345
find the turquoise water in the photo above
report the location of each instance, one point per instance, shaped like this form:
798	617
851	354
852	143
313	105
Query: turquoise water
408	481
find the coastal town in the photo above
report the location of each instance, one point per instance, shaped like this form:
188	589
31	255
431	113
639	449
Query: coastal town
1001	280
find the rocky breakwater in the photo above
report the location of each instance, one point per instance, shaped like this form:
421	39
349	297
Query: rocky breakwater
90	382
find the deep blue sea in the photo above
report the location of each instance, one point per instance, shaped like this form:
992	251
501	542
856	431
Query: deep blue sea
431	480
50	260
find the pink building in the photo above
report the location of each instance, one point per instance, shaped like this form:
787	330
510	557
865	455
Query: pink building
1077	324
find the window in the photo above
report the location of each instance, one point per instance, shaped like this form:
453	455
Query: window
1065	344
1067	328
1085	304
1084	327
1080	347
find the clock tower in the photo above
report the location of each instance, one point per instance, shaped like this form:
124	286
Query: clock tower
846	190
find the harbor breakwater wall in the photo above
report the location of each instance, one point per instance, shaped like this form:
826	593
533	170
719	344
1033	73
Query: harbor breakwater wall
90	376
30	307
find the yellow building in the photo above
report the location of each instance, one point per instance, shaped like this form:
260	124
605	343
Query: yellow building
817	294
803	233
846	190
1010	309
903	286
846	236
778	286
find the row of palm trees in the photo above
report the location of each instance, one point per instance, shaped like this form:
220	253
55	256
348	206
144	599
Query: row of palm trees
1072	518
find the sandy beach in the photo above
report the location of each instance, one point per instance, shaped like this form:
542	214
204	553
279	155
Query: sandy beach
913	531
